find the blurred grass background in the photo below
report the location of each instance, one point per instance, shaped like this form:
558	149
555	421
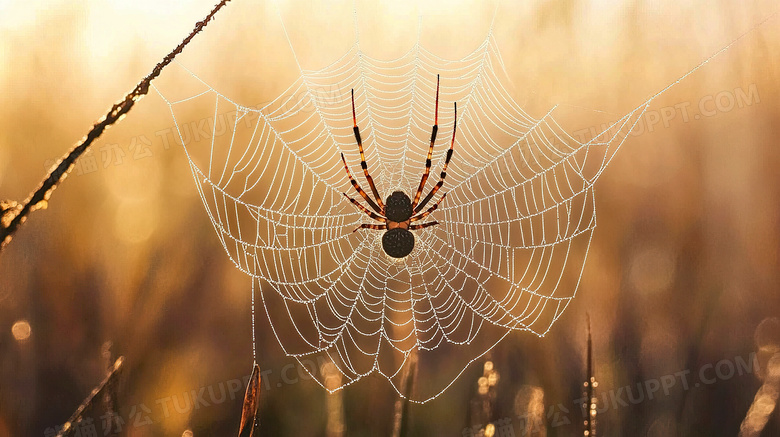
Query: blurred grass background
682	269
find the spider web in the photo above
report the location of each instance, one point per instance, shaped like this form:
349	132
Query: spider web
507	255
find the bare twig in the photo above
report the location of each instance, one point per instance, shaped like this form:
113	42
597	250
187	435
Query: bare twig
12	215
70	426
251	401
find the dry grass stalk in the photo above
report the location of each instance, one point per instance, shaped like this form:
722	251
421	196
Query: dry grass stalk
70	426
765	402
251	400
483	404
110	394
401	418
12	215
590	385
334	401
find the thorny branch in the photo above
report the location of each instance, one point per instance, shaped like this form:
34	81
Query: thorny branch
12	214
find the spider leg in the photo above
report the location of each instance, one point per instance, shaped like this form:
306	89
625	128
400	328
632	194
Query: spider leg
358	189
368	226
422	226
365	210
434	131
444	169
363	164
430	210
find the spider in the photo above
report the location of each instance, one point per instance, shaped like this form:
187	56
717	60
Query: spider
398	213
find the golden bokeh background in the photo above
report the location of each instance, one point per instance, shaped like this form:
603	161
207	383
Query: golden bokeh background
682	270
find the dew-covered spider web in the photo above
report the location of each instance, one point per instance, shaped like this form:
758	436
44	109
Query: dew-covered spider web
513	233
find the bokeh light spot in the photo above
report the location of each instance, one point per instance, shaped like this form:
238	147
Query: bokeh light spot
652	269
21	330
134	222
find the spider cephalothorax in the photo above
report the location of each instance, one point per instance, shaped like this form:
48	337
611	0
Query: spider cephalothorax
398	207
398	212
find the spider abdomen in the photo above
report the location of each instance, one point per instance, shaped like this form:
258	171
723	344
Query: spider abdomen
398	242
